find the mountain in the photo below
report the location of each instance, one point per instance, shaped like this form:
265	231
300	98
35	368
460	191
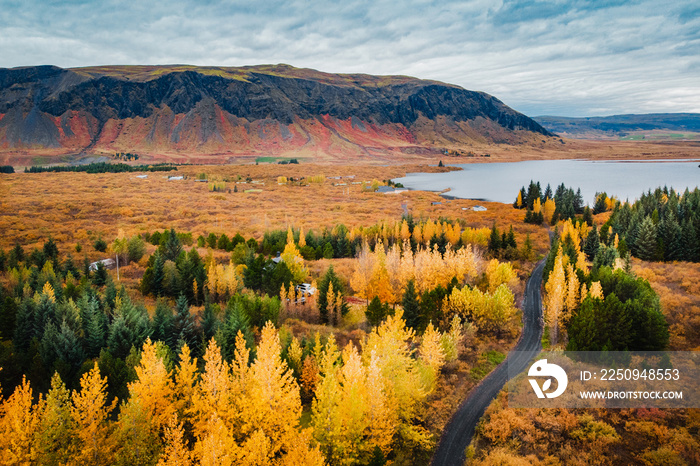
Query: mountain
255	110
632	126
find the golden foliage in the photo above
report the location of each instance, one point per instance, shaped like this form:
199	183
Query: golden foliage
385	275
176	452
90	415
555	298
19	423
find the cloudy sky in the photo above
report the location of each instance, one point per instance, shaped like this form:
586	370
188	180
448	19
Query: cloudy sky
561	57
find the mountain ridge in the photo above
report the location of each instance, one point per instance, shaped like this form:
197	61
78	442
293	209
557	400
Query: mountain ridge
264	109
620	126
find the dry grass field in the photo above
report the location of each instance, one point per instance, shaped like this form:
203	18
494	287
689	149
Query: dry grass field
78	207
678	287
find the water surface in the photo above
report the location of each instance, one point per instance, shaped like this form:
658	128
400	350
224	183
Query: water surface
500	182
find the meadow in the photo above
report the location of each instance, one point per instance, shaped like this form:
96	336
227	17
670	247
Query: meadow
77	208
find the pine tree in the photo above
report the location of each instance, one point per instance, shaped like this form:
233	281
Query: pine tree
135	435
235	321
172	247
210	321
25	327
184	328
148	410
690	242
572	292
69	352
376	312
646	243
157	282
163	324
292	258
212	396
510	239
548	211
326	404
592	243
411	308
494	240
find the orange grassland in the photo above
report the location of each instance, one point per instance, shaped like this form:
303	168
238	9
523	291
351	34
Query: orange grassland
79	207
678	287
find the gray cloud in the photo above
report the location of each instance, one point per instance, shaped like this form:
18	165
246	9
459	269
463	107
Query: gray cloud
542	57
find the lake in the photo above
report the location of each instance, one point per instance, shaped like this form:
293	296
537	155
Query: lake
500	182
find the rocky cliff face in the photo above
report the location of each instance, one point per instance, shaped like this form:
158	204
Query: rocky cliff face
252	110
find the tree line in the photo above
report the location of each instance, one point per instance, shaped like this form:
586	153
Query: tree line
102	167
663	225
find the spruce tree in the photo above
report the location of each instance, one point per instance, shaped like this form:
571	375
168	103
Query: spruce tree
592	243
120	337
411	308
690	242
646	244
578	202
50	250
173	246
24	328
210	322
15	257
510	239
253	273
223	242
547	194
235	321
376	312
8	316
494	240
157	285
94	327
162	326
675	249
100	276
184	328
69	354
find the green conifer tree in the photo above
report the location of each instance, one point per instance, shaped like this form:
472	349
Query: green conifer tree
411	308
376	312
646	244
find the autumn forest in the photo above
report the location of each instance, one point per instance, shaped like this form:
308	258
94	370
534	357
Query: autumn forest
296	314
